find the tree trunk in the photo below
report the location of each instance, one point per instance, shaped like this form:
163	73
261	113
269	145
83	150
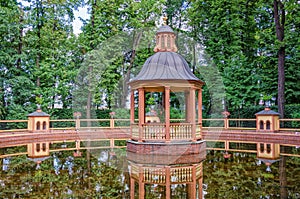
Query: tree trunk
136	41
279	17
89	98
282	178
20	44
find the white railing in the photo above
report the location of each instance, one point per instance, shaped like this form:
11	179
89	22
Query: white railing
154	131
180	131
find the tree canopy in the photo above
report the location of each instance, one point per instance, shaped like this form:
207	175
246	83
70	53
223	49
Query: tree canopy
234	46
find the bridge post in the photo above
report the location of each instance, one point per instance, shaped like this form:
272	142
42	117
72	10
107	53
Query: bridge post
77	123
226	145
112	123
112	143
77	115
226	121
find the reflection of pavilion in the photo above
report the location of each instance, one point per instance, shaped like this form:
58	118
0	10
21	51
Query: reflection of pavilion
166	176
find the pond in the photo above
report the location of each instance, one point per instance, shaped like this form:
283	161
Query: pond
99	172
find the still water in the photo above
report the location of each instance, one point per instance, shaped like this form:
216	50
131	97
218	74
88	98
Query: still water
95	172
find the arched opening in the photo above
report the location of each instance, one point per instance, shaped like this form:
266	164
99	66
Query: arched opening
169	42
262	148
261	125
38	147
268	148
268	125
44	125
38	126
163	41
44	147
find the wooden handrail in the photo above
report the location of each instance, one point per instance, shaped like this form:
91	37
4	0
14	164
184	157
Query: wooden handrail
114	120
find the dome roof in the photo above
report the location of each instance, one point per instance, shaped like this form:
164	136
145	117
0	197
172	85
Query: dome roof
38	113
267	111
165	29
165	66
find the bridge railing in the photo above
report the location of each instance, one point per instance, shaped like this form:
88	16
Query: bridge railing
221	123
290	124
13	125
226	123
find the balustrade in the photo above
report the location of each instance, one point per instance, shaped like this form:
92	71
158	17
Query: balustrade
154	175
182	175
177	174
180	131
135	131
154	131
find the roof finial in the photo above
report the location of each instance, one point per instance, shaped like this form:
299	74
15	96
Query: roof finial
165	18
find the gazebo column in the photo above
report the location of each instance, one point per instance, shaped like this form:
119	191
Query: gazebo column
200	107
141	112
200	187
199	128
167	112
132	107
168	182
132	183
187	106
141	184
192	112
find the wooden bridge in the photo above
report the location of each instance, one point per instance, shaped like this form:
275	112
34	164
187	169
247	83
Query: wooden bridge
223	129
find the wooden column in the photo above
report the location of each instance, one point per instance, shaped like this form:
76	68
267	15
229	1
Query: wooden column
200	107
200	187
167	112
132	181
132	107
193	112
141	184
192	187
187	106
168	182
141	112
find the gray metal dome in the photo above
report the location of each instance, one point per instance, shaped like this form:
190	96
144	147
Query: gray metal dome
165	66
165	29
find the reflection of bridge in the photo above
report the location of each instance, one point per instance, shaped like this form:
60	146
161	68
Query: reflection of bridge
234	130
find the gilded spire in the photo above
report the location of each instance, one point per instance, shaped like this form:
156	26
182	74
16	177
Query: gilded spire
165	18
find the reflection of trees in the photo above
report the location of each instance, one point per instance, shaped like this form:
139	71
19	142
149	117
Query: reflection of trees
23	180
241	177
237	177
282	178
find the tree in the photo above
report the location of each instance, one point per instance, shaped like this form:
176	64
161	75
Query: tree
115	38
279	18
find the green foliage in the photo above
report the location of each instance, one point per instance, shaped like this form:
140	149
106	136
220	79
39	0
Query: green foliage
176	113
231	45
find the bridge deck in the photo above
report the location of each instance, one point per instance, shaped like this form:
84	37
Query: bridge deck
23	137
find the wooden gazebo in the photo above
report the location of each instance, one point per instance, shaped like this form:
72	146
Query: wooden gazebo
164	72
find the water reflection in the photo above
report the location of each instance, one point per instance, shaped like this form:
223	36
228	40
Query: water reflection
159	176
114	173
